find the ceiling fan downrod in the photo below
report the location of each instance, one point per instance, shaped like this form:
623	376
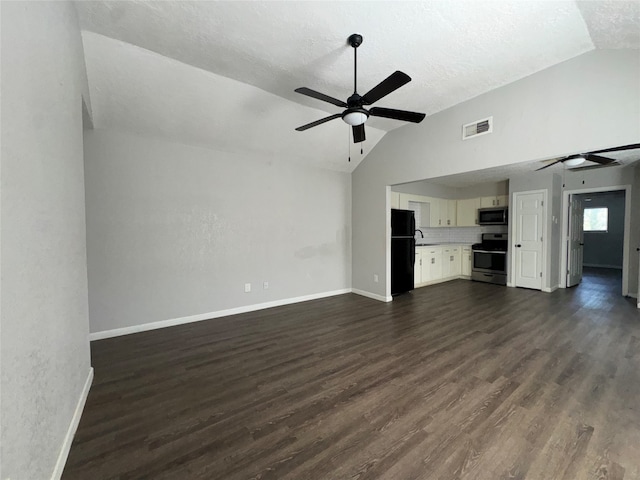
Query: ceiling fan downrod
355	40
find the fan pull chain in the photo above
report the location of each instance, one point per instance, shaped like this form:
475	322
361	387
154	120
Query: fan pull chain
349	142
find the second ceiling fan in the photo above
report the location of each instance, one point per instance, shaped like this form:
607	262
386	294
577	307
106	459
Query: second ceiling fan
355	114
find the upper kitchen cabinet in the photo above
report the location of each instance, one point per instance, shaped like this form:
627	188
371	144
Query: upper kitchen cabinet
448	212
467	212
394	200
497	201
434	212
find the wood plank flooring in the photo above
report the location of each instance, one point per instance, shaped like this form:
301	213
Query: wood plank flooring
460	380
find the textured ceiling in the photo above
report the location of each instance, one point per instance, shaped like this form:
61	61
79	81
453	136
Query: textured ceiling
453	50
134	90
612	23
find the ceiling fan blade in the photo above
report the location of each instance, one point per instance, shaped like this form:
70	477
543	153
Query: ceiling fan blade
320	96
397	114
559	160
598	159
318	122
591	167
385	87
633	146
358	133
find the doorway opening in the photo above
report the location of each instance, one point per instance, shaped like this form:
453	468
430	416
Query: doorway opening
596	237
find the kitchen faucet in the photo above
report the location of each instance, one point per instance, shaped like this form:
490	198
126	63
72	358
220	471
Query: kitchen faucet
421	234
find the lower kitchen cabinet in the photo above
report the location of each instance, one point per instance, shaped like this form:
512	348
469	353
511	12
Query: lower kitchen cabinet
439	263
431	264
417	267
467	259
451	266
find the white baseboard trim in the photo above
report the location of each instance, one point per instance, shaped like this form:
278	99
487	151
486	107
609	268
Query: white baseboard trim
509	284
73	426
117	332
592	265
550	290
375	296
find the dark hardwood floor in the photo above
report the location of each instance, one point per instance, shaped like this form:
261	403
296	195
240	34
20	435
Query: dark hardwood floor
456	380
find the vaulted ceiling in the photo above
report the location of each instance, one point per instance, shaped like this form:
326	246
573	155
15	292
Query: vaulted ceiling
223	74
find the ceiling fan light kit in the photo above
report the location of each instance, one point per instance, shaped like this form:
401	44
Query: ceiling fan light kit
574	162
355	114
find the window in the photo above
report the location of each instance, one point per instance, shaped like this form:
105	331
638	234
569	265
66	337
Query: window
596	219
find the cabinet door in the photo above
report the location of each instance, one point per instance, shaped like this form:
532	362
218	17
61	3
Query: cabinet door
486	202
395	199
455	262
434	212
432	267
502	200
466	261
426	266
451	213
444	212
403	201
446	262
467	212
417	267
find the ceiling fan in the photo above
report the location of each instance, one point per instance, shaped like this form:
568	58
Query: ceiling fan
579	158
355	114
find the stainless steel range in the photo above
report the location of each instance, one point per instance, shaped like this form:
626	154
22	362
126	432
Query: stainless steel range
490	258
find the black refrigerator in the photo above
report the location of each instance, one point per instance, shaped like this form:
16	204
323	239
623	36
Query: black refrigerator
403	250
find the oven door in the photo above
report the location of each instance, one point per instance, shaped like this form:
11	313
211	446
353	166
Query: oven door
486	261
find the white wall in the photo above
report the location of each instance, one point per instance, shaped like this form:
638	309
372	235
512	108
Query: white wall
44	346
176	230
586	103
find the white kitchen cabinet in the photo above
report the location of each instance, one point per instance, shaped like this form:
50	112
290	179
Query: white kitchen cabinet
417	267
395	199
467	260
434	212
451	265
431	264
467	212
451	213
496	201
442	212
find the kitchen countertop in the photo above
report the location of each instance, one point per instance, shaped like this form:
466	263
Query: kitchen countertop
442	244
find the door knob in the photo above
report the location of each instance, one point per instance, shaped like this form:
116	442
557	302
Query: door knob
582	244
518	245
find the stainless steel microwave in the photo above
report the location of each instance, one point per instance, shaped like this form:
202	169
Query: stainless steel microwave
493	216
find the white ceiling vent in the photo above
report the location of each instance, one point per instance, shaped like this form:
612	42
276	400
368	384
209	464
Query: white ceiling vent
479	127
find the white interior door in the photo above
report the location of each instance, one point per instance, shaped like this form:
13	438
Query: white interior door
576	241
529	239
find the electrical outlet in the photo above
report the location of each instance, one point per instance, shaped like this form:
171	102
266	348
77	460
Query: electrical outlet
375	277
265	285
247	287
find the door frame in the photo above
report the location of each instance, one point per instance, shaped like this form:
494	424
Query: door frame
511	282
627	231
